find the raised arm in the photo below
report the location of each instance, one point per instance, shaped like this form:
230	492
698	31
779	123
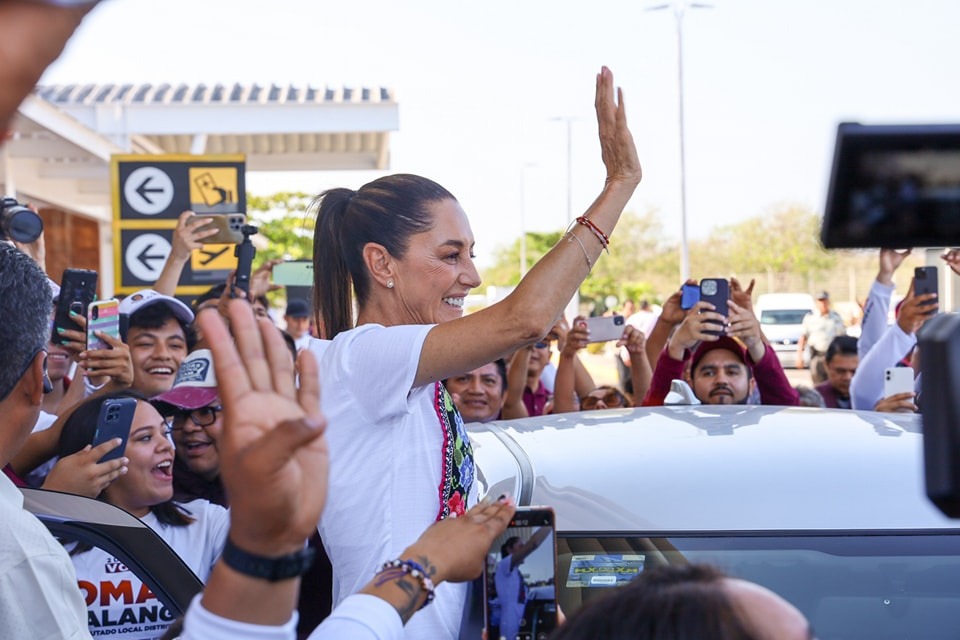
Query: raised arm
528	547
640	370
669	319
564	394
531	309
187	237
513	406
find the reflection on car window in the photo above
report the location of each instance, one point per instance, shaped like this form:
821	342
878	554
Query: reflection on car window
783	316
848	586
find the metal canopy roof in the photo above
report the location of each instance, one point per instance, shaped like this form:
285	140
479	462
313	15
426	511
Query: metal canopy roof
64	135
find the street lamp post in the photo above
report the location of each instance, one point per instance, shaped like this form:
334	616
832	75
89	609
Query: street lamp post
679	8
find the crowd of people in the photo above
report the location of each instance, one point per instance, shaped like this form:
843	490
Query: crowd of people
245	441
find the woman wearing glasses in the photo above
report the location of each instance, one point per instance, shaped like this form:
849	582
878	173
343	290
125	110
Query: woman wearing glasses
604	396
402	250
117	601
196	421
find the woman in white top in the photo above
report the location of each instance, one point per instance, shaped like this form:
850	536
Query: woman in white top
117	601
402	248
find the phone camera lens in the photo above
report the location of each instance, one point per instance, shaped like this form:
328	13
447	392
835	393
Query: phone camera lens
709	287
95	313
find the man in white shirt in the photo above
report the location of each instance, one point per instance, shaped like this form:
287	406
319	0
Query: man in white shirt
39	597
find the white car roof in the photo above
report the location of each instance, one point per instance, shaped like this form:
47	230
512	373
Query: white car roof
708	468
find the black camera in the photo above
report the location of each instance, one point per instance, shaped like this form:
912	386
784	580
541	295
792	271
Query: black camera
18	223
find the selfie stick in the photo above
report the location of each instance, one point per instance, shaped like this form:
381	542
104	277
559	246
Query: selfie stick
245	253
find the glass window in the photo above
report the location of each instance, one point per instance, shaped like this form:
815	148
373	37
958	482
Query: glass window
783	316
848	586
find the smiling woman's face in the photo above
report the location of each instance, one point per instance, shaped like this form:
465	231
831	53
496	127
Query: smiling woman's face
437	272
149	477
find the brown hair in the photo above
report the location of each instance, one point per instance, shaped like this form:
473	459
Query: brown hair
386	211
670	602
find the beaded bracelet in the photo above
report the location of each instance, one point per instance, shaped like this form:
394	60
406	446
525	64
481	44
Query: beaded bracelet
601	236
394	569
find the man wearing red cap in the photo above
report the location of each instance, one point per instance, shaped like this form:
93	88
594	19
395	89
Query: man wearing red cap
724	368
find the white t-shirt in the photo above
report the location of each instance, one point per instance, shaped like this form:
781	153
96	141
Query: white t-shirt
511	596
119	604
38	594
399	460
36	477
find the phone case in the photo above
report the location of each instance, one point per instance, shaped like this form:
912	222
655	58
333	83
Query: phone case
926	280
78	288
526	601
897	380
294	274
605	328
716	291
103	316
228	226
689	296
114	421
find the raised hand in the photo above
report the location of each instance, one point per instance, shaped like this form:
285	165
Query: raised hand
114	362
189	235
890	260
617	148
274	456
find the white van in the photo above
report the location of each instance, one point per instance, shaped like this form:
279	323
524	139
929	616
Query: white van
781	320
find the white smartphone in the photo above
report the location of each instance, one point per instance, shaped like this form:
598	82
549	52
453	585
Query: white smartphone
605	328
897	380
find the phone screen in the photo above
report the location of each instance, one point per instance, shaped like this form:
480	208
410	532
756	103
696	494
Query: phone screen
520	578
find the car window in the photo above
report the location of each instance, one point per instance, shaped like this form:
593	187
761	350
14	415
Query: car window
782	316
848	586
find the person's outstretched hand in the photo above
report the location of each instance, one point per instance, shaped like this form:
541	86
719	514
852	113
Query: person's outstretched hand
274	457
474	532
617	148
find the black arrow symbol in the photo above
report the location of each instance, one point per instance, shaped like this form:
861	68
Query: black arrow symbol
212	255
144	257
143	190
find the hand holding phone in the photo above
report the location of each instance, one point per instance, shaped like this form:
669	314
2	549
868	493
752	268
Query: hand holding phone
102	316
114	421
926	280
716	291
78	288
897	380
605	328
520	577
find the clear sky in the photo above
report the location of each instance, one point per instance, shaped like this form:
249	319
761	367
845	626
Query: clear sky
481	84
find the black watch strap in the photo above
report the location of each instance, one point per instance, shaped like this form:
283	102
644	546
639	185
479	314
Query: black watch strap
272	569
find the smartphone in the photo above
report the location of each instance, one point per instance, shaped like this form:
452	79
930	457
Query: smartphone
520	578
228	227
925	280
78	288
605	328
689	295
716	291
103	316
897	380
114	421
298	273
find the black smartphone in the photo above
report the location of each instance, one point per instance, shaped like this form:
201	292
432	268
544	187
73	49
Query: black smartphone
78	288
689	295
520	578
925	280
114	421
716	291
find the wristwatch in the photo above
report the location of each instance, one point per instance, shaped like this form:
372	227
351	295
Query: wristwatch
272	569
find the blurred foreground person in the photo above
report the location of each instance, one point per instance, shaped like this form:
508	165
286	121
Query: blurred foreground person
687	602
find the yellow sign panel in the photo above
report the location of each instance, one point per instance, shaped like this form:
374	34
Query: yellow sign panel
214	257
213	189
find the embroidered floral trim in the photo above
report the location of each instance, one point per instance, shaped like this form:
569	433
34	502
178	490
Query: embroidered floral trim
458	469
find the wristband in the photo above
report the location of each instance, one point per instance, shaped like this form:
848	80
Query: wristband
272	569
398	568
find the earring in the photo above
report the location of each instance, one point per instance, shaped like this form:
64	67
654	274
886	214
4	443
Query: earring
389	284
